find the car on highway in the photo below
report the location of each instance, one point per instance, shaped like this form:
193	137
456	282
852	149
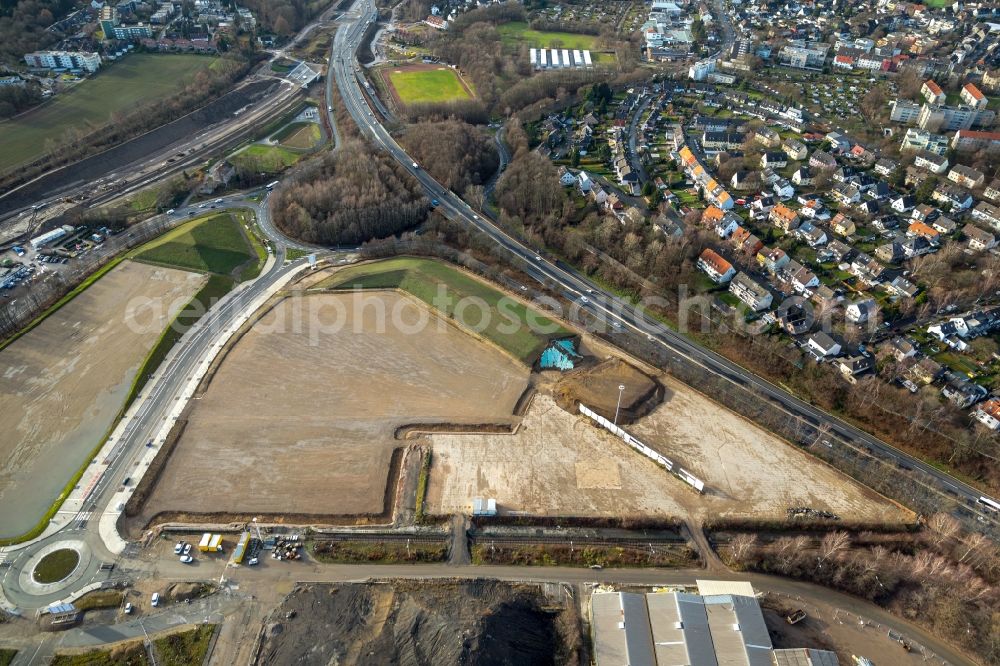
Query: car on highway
584	300
415	165
186	559
537	258
435	203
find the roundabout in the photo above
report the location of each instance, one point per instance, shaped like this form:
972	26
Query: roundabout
55	567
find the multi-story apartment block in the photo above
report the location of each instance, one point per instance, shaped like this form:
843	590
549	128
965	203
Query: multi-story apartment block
64	60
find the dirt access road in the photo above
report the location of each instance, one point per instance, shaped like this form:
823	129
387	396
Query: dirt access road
64	381
296	422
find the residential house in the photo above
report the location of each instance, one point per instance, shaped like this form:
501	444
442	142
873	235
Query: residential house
839	251
914	176
992	191
924	231
973	97
811	234
931	162
962	392
988	413
867	207
852	366
773	160
903	288
842	225
979	240
742	180
794	318
917	246
925	213
945	225
956	197
987	213
846	193
598	194
712	215
762	207
567	179
902	348
903	203
799	277
926	370
795	149
802	176
966	176
932	92
715	266
584	182
861	311
767	137
821	345
885	166
891	252
783	189
772	259
822	160
867	269
746	242
753	294
784	218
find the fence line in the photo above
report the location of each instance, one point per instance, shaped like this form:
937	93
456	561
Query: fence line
681	473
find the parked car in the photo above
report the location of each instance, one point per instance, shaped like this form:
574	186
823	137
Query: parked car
178	548
155	599
187	548
128	609
186	559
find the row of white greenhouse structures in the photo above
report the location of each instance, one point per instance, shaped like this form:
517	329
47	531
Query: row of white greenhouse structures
560	58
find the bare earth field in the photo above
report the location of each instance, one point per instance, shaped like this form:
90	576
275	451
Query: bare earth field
63	382
578	469
294	423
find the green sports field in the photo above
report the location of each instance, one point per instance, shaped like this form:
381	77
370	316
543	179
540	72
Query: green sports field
517	32
427	85
514	327
139	78
213	244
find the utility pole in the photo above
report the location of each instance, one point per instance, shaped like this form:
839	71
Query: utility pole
621	389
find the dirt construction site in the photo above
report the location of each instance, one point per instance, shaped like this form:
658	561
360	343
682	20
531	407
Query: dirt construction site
299	423
410	622
64	381
580	469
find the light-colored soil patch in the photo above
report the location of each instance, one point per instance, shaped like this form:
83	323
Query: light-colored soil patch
577	469
299	421
746	470
556	464
63	382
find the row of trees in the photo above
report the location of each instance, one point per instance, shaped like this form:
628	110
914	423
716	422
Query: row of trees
284	17
944	580
349	196
455	153
15	99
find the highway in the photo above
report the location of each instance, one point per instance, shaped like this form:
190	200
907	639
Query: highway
621	314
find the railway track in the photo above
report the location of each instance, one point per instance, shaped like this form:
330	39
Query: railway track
633	543
379	537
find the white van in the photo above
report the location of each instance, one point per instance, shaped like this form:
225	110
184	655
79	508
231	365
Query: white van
156	599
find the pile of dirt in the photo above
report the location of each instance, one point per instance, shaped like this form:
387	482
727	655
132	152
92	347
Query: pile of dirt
186	591
413	623
597	388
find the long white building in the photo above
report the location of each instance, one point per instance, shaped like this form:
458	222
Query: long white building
560	58
57	60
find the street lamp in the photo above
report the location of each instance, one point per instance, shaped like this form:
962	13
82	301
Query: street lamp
621	389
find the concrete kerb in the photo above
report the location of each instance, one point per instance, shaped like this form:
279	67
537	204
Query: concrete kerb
108	523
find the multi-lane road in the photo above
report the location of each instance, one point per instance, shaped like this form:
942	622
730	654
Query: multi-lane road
607	307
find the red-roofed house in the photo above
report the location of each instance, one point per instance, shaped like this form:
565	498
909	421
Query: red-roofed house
932	92
972	96
988	413
843	62
717	268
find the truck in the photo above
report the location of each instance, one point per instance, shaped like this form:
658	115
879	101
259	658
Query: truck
215	545
206	539
241	548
